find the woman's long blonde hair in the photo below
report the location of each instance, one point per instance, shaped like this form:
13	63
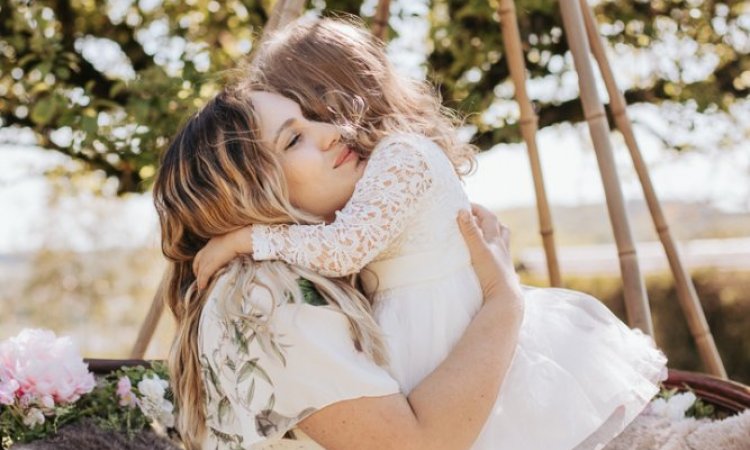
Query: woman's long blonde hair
338	72
216	177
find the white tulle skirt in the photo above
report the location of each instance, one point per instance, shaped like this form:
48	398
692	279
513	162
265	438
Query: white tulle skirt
578	377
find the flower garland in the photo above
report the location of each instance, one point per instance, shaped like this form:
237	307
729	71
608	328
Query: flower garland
44	384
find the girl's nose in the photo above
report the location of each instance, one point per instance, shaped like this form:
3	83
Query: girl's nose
329	135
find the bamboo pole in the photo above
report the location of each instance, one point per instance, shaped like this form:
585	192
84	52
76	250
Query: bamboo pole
380	21
529	126
283	12
686	294
292	9
636	301
148	327
273	20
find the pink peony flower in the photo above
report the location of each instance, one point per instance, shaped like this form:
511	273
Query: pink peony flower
125	392
45	367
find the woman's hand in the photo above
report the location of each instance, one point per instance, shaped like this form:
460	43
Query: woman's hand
219	251
489	245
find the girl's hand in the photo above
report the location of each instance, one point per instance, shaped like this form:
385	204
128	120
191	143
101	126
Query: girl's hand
219	251
489	245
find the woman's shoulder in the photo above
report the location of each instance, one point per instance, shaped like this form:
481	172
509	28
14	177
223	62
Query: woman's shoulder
252	299
267	369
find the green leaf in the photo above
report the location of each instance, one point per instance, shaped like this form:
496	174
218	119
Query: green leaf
44	67
310	293
117	88
250	368
224	409
250	393
43	111
271	402
63	73
89	125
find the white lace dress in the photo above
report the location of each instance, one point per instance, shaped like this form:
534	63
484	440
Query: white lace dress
576	366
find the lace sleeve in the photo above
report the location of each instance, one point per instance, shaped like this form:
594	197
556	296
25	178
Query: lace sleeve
396	178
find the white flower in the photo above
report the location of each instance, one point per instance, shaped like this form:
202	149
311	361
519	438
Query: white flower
47	402
33	418
166	417
674	408
152	402
158	409
153	388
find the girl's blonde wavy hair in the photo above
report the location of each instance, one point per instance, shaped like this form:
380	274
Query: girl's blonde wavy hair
338	72
216	177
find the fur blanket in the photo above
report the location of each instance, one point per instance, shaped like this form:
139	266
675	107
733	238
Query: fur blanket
85	435
649	432
645	433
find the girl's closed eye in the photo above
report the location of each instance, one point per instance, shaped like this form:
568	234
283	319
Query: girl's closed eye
296	137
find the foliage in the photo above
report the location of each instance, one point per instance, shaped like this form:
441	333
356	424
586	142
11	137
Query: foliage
698	409
674	37
101	405
108	82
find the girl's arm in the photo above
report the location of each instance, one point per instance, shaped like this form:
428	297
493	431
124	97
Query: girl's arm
448	409
396	178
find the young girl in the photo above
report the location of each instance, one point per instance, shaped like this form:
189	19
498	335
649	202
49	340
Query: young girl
579	375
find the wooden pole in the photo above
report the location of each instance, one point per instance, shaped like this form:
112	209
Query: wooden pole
529	126
292	9
148	327
273	20
686	294
283	12
380	21
636	301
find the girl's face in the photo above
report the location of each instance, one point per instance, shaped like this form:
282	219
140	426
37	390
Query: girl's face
320	170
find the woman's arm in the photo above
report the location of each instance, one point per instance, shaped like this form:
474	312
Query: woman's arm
449	407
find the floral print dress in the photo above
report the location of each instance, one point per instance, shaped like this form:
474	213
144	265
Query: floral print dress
263	375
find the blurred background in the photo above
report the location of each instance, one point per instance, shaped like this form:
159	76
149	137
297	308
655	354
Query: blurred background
91	91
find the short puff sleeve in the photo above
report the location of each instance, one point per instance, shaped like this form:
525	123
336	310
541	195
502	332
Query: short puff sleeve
271	375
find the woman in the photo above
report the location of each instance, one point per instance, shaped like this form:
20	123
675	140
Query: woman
257	363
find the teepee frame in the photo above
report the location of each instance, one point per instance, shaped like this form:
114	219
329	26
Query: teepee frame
686	293
583	40
529	125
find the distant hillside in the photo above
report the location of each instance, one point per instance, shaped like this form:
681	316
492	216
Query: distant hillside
589	225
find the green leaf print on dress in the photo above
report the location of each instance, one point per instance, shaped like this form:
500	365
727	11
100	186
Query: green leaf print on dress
269	422
310	293
238	372
234	441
